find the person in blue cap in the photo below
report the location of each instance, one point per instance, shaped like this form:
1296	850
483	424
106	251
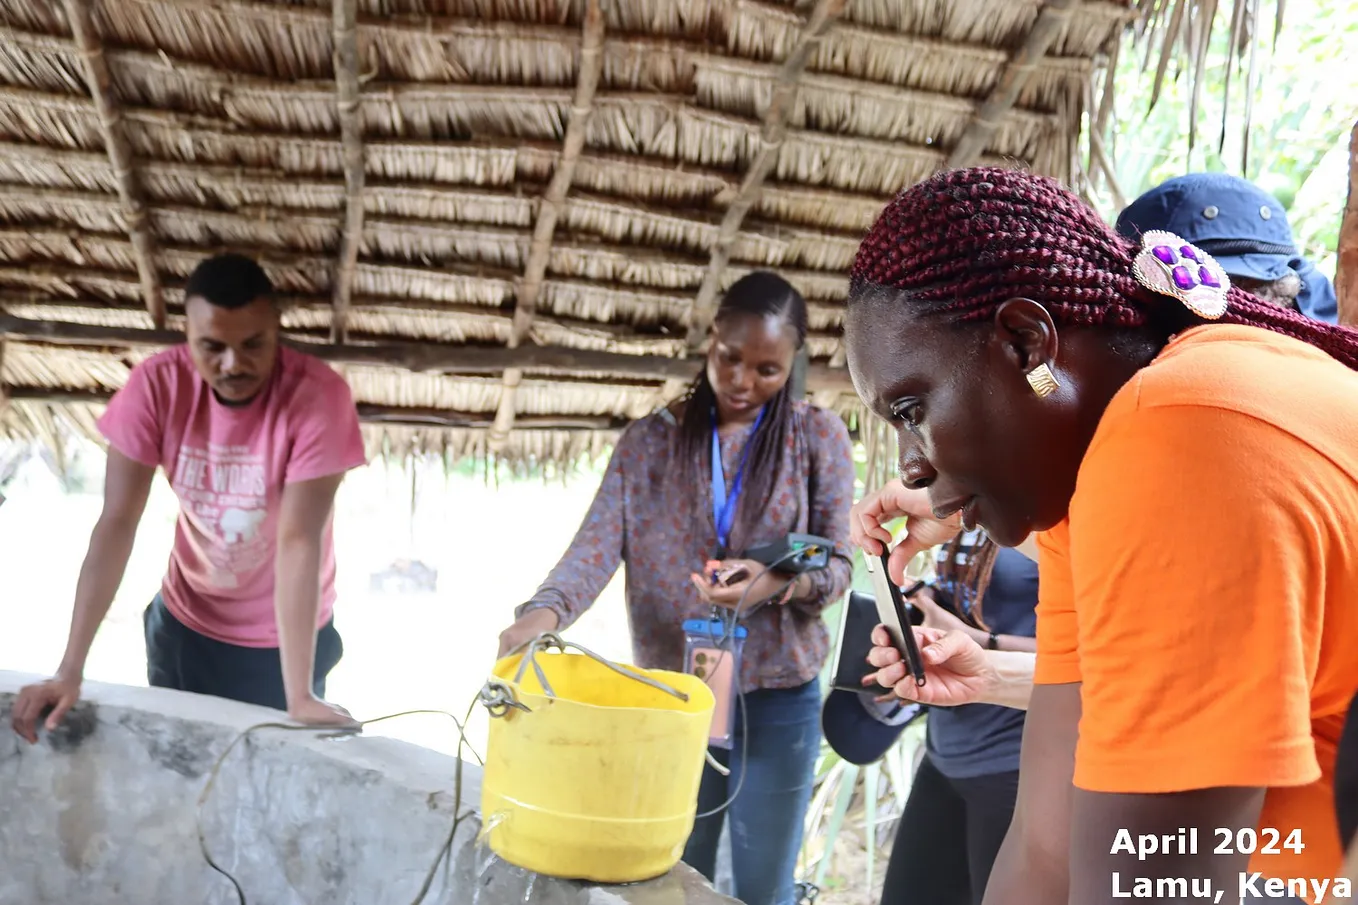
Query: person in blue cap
1245	229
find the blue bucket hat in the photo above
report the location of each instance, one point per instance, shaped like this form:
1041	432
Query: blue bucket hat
859	729
1239	224
853	723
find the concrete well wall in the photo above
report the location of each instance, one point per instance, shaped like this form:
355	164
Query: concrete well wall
103	811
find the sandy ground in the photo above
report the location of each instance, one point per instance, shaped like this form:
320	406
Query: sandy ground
491	547
848	881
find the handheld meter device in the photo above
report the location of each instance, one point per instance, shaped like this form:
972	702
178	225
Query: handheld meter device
794	554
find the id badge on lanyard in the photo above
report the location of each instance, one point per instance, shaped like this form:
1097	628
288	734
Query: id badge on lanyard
712	651
712	647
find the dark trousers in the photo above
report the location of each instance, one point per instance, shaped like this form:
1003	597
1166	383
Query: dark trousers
1346	777
178	657
949	835
767	816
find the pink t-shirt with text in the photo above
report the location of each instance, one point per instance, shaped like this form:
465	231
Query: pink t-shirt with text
228	466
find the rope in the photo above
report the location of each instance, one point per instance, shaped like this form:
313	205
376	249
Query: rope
499	695
551	639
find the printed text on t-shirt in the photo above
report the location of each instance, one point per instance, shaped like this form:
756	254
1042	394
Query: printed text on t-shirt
223	490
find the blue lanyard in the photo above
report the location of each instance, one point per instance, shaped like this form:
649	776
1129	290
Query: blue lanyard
724	506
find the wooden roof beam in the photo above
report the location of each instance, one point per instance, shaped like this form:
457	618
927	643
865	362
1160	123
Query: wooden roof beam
368	413
351	137
565	329
549	208
718	186
417	357
197	125
264	227
100	83
1346	270
554	199
772	132
1022	66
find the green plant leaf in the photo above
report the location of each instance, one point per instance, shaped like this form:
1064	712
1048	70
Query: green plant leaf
847	786
872	781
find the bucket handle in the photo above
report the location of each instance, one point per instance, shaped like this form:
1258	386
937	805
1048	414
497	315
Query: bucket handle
498	698
553	640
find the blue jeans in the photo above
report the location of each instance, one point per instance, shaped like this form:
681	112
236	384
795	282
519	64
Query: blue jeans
767	816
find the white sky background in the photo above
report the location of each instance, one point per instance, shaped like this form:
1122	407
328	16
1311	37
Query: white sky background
491	547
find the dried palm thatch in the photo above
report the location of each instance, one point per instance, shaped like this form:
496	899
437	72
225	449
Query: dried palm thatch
507	222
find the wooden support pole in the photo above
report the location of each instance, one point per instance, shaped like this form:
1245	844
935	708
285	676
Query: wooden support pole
672	389
669	391
420	358
506	411
347	91
1022	66
551	204
772	133
1105	163
100	83
1346	270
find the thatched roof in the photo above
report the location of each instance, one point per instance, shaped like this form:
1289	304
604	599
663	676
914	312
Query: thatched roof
507	222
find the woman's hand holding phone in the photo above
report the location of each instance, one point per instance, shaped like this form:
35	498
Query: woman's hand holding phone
729	581
725	574
955	666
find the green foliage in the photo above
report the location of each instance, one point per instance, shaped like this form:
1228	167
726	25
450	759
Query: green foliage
1281	121
864	801
853	799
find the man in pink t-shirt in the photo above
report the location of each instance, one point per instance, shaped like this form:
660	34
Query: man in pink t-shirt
255	439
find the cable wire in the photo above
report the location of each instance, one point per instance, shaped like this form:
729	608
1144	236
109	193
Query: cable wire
346	732
728	635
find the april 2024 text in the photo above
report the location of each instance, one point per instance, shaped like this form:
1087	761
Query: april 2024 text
1254	884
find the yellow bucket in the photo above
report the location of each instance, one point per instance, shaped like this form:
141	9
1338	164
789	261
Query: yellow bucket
598	781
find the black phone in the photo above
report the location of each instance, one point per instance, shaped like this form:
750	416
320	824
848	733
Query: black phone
728	577
719	573
896	614
857	618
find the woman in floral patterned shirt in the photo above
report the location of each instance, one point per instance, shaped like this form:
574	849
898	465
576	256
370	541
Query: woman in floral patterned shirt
654	512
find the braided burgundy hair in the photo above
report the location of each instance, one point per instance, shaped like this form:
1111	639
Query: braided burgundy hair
963	242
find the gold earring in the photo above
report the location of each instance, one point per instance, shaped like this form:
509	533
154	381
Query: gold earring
1042	380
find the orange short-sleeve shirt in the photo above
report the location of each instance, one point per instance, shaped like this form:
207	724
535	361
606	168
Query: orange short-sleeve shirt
1204	587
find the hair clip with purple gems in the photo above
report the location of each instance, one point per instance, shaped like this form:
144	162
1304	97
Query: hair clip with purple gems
1171	266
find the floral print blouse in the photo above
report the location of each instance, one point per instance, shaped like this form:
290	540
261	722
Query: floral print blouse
644	517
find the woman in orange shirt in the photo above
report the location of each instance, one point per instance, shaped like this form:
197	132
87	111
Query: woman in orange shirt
1186	458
